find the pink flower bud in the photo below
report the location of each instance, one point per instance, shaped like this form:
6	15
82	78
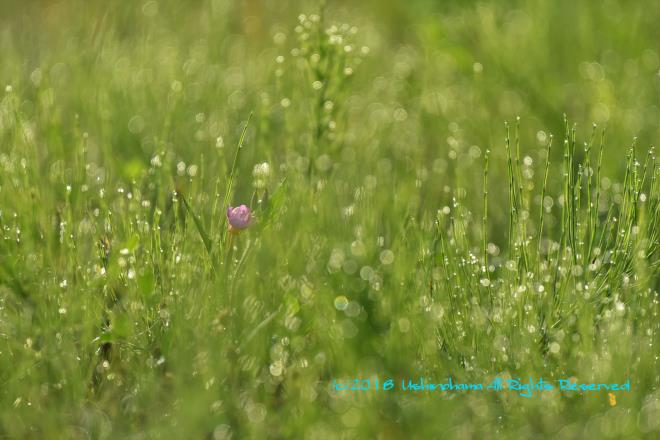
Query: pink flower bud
239	217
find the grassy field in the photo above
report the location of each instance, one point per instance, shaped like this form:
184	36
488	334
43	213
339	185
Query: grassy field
451	190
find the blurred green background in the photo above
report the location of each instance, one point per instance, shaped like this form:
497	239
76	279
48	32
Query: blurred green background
473	63
457	70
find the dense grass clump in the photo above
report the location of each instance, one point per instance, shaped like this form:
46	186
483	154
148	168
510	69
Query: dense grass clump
393	227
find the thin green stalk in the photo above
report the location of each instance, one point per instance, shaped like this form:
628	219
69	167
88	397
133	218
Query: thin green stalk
597	199
484	222
232	173
541	213
512	193
521	201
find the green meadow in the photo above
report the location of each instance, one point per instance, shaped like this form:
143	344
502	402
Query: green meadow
438	195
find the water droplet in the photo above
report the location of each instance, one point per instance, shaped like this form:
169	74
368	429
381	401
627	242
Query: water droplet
341	303
387	257
366	273
276	368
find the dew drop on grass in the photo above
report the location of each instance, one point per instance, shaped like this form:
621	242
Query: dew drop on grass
358	249
323	163
256	412
306	292
353	309
366	273
341	303
350	267
222	432
387	257
292	323
136	124
276	368
336	259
